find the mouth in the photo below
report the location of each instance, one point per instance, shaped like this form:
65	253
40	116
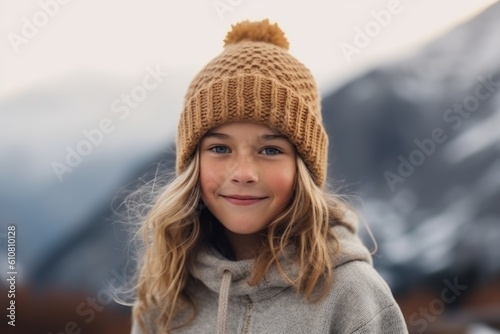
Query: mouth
242	199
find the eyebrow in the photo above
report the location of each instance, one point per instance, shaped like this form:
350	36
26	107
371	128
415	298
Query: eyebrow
269	137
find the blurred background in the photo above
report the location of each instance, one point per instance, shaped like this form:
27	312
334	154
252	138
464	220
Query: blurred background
91	91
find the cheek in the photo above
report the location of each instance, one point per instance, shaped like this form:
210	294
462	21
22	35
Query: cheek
204	183
282	181
208	180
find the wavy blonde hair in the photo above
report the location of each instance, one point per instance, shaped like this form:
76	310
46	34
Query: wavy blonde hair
172	236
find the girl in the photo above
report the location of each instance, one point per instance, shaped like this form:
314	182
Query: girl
245	239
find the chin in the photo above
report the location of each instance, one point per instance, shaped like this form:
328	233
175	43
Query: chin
243	229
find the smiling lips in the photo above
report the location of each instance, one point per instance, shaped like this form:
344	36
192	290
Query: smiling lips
242	199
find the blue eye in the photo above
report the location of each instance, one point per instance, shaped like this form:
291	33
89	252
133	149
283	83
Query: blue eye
219	149
271	151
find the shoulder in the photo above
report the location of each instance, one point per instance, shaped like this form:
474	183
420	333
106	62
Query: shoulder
363	301
359	278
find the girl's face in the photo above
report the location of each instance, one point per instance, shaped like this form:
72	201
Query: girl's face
247	173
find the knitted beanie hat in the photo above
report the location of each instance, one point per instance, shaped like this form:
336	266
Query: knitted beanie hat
255	79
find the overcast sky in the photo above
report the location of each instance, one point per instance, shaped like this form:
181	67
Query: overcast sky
119	37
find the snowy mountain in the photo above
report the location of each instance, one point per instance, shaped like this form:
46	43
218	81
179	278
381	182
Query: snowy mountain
58	124
419	139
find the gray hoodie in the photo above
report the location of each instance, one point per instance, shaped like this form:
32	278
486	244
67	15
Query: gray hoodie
359	301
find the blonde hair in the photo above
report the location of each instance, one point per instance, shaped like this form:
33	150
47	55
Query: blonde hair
172	236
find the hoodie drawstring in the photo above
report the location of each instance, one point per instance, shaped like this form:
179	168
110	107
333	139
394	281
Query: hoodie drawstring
223	302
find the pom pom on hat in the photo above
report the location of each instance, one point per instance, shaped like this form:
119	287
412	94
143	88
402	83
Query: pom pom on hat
261	31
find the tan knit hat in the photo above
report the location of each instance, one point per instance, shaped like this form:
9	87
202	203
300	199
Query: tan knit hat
256	79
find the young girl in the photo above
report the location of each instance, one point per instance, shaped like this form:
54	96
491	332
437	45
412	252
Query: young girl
245	239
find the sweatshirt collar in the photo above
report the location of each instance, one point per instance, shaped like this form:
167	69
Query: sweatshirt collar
229	279
210	267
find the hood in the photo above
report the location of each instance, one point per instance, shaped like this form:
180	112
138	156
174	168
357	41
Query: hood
229	278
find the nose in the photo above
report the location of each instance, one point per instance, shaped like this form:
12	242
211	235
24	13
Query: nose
243	170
